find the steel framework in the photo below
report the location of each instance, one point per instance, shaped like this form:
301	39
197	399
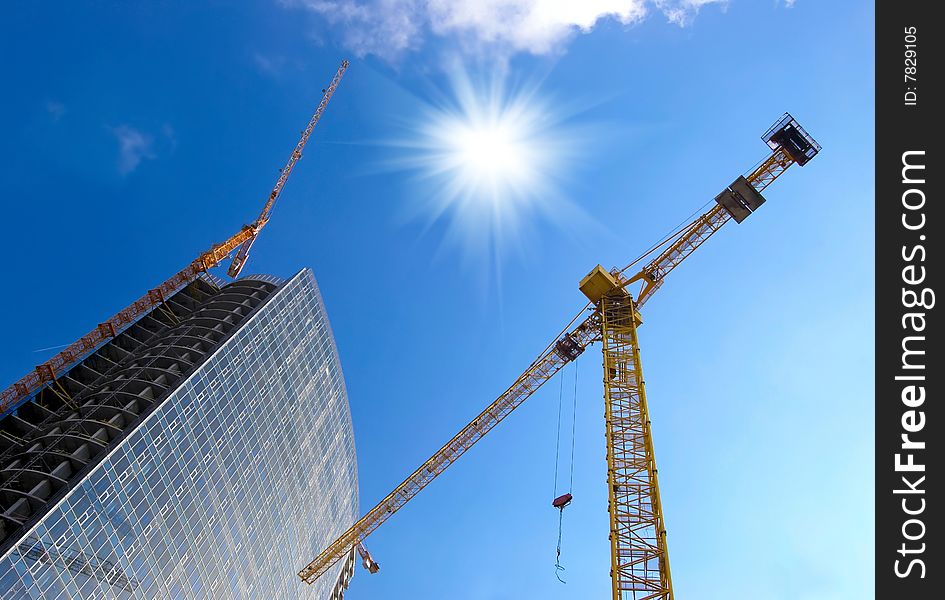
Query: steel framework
639	558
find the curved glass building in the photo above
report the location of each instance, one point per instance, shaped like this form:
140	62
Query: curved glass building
206	452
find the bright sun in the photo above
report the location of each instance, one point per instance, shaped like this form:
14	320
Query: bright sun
487	145
494	153
491	162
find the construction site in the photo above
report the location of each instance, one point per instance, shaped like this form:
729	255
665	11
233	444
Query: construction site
116	388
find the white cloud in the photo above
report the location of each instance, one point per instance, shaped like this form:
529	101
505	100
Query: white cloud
55	109
385	28
170	134
389	28
535	26
133	147
682	12
270	65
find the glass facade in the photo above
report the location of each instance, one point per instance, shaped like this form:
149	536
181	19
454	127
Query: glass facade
235	481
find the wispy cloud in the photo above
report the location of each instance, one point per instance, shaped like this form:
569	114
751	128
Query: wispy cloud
133	147
170	134
269	65
55	109
682	12
391	28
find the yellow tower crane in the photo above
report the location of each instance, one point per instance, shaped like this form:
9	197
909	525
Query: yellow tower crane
639	558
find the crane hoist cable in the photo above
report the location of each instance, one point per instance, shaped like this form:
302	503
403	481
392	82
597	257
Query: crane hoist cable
558	432
558	567
573	422
673	234
562	501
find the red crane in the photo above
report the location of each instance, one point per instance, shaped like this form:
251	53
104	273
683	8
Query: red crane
48	371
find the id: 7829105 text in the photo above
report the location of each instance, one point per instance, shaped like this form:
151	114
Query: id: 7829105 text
911	66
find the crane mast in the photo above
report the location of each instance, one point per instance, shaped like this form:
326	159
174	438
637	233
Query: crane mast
47	372
639	557
640	567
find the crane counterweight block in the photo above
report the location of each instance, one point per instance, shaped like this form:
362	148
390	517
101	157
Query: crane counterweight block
740	199
787	134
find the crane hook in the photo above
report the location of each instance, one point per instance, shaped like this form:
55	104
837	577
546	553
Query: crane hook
560	503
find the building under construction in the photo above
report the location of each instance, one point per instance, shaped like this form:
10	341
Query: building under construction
196	445
202	453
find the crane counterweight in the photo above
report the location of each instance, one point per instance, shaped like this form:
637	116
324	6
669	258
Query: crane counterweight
740	199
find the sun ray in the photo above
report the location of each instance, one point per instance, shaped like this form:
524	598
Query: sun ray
491	161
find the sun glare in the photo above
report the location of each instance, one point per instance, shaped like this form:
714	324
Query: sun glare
491	161
495	154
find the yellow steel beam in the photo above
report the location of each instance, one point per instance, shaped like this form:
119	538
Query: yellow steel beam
769	170
638	552
692	237
699	230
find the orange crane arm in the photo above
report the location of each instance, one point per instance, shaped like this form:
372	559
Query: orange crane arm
243	253
243	239
52	368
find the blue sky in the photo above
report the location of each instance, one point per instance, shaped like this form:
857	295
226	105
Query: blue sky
134	137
